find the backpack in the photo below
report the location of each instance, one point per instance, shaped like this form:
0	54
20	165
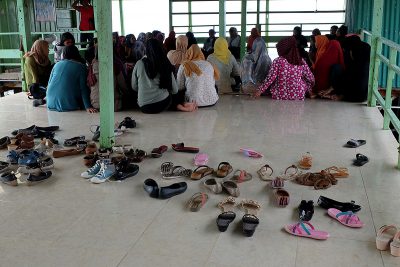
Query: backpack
37	91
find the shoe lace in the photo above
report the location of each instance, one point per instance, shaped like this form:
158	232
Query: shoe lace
92	169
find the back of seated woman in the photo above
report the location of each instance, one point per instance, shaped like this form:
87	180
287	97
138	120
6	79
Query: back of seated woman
289	78
198	77
67	90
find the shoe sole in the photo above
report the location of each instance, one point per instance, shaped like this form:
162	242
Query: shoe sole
12	183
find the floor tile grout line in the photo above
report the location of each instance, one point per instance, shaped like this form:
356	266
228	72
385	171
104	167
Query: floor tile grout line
369	206
141	235
211	251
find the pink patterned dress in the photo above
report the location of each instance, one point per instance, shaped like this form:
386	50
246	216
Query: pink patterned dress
287	81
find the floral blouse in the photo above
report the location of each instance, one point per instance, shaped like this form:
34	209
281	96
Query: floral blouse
287	81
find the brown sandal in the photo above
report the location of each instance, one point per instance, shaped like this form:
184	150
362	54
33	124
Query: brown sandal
200	172
231	187
322	184
282	197
306	161
241	176
224	168
264	174
197	201
338	172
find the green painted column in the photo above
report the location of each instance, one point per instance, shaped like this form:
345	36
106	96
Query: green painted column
106	76
94	4
266	20
243	29
24	24
376	33
222	19
121	17
171	28
389	86
190	15
258	26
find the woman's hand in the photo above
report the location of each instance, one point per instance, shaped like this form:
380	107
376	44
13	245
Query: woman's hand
92	110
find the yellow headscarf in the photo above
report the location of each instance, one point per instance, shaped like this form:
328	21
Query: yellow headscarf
193	54
221	51
40	52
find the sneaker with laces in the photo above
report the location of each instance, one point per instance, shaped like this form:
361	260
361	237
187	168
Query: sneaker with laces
92	171
106	172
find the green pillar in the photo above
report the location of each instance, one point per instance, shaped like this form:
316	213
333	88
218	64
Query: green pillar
243	29
266	20
94	4
190	14
171	28
258	16
222	21
121	17
376	33
24	24
106	76
389	86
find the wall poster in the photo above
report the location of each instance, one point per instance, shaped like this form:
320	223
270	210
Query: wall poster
45	10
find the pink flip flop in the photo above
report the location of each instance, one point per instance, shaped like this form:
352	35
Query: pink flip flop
300	229
347	218
251	153
200	159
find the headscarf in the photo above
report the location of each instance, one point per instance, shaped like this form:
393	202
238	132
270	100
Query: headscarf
287	48
139	50
322	43
191	39
170	42
141	37
254	34
177	56
221	51
128	42
194	54
40	52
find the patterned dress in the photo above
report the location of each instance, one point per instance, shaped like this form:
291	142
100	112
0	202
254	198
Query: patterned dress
287	81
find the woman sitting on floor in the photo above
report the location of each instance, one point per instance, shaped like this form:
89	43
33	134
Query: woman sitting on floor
328	68
198	77
37	64
155	83
255	66
67	39
67	88
176	57
290	77
226	65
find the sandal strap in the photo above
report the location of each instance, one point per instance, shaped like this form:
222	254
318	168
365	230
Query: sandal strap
201	167
350	216
302	224
224	163
385	228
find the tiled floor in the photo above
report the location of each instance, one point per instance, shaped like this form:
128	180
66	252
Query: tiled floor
66	221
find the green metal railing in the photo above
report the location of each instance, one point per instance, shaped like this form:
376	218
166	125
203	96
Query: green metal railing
374	96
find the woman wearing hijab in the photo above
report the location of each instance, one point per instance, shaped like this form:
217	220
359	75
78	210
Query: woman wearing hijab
226	65
170	42
255	66
155	83
198	77
191	39
67	88
130	41
254	34
329	64
176	57
67	39
141	37
290	78
37	64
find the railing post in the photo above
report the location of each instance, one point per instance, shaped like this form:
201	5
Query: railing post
106	76
170	16
222	23
375	74
190	15
390	77
266	21
376	33
258	16
243	29
121	17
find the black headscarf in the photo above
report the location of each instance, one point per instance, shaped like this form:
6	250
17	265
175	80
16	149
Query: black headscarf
72	53
191	39
66	36
156	62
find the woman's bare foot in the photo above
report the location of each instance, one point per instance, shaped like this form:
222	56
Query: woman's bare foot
326	92
187	107
336	97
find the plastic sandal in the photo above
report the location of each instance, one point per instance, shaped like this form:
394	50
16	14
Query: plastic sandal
200	159
241	176
264	174
224	168
353	143
306	161
300	229
197	201
250	220
180	147
385	236
200	172
322	184
289	174
228	215
282	197
360	160
277	183
213	185
166	167
231	188
338	172
395	245
157	152
347	218
177	171
251	153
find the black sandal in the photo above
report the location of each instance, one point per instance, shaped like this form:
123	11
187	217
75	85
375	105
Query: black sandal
228	215
250	220
360	160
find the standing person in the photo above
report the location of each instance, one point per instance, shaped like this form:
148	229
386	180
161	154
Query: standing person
208	47
67	39
37	64
170	42
289	78
130	41
155	83
341	34
234	43
67	90
255	66
198	76
301	44
254	34
87	19
226	65
191	39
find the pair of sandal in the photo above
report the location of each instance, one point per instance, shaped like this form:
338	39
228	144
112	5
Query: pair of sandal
250	220
388	238
282	196
169	171
21	141
136	155
229	186
224	168
266	171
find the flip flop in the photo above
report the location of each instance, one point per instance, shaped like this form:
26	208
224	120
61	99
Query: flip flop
385	236
241	176
177	171
338	172
347	218
250	220
300	229
200	172
157	152
180	147
251	153
360	160
200	159
228	215
264	174
197	201
224	168
353	143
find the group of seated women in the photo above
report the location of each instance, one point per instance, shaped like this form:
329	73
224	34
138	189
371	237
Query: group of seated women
156	75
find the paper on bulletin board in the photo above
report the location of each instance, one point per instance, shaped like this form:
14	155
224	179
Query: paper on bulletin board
45	10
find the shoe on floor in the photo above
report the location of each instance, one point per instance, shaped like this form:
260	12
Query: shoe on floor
124	170
328	203
306	210
91	172
34	178
9	178
107	171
